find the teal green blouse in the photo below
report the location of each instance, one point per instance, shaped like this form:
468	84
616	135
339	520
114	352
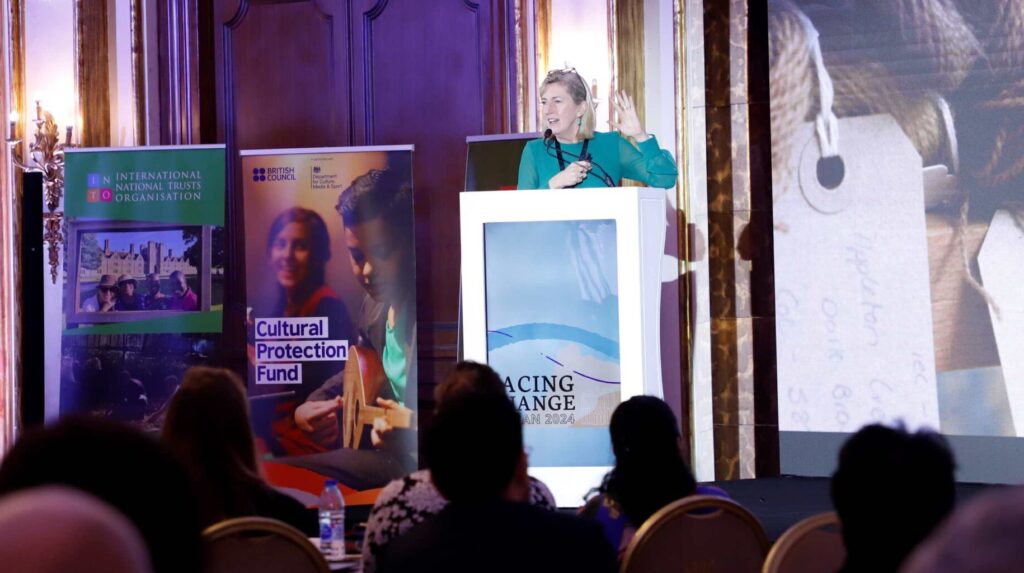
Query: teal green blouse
649	164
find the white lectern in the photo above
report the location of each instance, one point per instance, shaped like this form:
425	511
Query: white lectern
560	295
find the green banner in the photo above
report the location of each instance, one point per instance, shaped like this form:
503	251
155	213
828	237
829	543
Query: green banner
177	324
173	185
144	277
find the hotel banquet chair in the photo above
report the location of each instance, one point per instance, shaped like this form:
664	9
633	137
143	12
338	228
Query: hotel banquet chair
698	534
258	545
812	545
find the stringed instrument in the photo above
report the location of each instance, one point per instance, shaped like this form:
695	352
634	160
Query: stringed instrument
363	380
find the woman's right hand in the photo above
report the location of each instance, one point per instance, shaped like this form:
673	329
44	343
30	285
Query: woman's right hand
574	174
319	419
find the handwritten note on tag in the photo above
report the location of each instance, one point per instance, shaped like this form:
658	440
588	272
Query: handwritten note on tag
1002	272
854	323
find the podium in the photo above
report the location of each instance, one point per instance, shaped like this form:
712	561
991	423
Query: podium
560	295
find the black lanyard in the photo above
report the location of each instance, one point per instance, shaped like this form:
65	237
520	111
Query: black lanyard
561	160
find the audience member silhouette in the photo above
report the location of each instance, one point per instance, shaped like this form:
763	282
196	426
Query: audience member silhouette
410	500
207	427
56	529
891	489
474	450
119	465
130	399
982	536
650	471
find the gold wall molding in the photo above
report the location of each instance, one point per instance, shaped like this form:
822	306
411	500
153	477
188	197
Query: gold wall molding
686	311
739	239
14	36
724	181
521	84
626	38
525	53
13	79
93	71
626	23
542	39
138	30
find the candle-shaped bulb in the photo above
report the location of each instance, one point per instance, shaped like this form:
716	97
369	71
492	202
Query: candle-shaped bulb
13	116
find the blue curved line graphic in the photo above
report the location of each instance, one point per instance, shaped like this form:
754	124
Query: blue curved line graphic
596	379
549	331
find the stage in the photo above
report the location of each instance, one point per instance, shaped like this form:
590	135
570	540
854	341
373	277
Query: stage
779	502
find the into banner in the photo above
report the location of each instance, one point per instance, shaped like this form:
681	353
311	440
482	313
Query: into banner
331	310
144	280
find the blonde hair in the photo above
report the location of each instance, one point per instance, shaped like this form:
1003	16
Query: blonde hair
580	93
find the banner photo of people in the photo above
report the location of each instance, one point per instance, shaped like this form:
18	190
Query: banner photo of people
553	333
331	312
144	285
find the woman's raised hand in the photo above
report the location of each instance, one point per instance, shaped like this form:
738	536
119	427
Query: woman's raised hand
628	123
574	174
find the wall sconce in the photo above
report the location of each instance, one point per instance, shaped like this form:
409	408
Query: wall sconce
46	156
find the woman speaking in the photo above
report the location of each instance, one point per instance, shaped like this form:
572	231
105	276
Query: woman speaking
572	154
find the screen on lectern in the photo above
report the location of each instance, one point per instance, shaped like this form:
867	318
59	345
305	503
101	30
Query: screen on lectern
553	333
558	296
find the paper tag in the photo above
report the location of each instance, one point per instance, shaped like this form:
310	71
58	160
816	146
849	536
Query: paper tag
853	306
1002	273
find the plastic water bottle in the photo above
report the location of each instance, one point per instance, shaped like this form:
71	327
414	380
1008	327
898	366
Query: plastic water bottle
332	521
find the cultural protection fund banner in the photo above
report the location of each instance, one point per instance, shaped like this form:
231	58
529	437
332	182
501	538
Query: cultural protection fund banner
331	315
143	291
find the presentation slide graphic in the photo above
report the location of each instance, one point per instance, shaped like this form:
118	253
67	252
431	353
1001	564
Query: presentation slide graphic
553	333
897	183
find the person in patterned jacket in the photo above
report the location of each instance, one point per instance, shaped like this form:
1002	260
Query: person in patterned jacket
407	501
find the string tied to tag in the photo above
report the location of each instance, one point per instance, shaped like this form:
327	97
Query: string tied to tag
947	122
826	124
965	205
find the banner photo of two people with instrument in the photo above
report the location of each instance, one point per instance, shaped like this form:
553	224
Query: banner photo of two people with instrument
331	311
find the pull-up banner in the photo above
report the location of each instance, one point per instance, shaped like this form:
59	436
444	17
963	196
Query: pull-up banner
144	281
331	310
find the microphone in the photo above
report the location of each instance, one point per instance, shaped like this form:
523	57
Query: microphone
607	179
